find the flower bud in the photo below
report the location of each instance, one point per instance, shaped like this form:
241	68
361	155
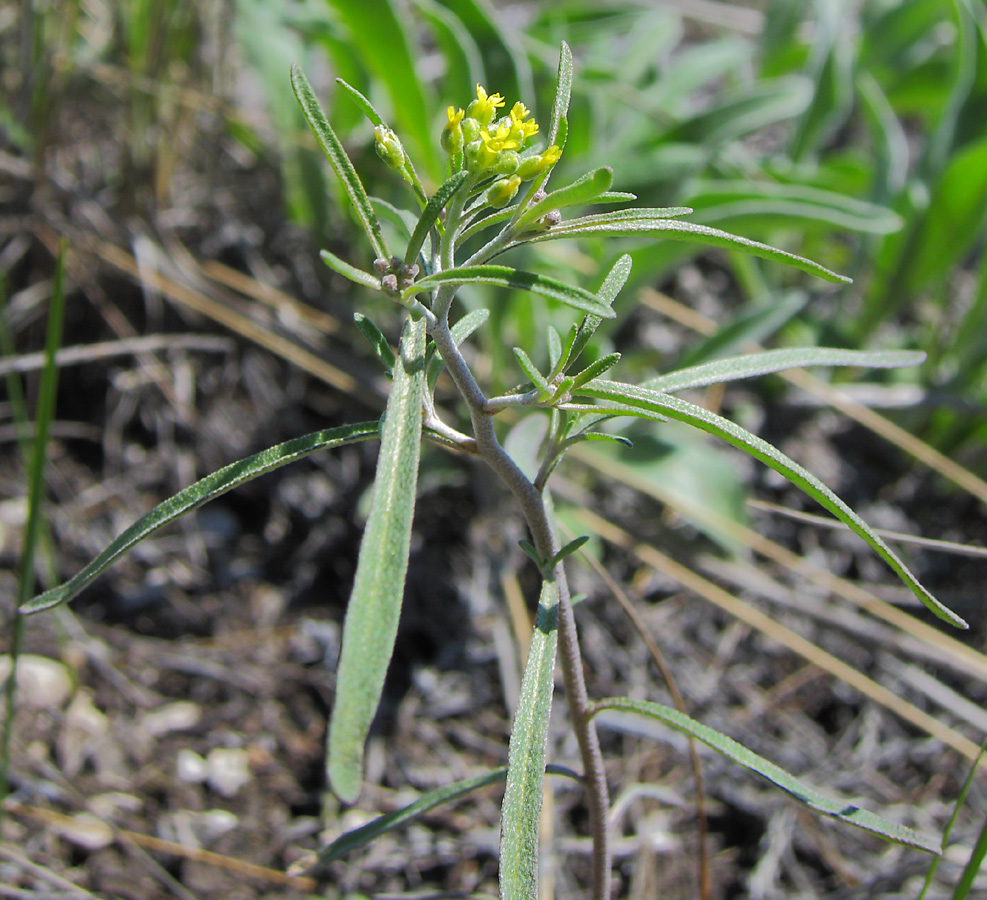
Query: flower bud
535	165
452	134
503	191
471	130
388	147
507	162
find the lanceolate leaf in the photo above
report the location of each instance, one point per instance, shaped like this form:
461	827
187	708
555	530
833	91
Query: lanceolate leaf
351	272
839	809
376	339
627	399
563	91
505	276
430	214
365	834
682	231
374	608
366	107
776	361
338	159
582	190
521	811
195	495
615	280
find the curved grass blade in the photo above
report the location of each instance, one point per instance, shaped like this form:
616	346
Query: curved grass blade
521	810
755	364
195	495
341	267
430	214
629	400
838	809
371	622
682	231
582	190
338	159
505	276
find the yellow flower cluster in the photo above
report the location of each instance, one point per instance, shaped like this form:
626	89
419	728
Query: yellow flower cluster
494	146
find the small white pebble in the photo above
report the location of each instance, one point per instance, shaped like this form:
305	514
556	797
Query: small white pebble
42	683
190	767
229	770
178	716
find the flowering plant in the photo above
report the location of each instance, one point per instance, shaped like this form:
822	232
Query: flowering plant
490	159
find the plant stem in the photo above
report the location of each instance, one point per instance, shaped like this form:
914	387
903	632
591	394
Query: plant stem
536	514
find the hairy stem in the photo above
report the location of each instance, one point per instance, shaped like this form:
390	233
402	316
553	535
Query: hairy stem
536	514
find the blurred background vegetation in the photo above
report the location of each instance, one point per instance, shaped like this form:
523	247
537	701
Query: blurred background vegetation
160	141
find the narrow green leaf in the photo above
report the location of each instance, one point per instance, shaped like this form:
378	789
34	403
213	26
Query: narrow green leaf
430	214
778	360
685	231
576	297
973	867
380	32
627	399
631	213
564	352
581	191
563	91
615	280
569	549
838	809
532	554
371	622
531	370
365	834
554	347
338	159
341	267
593	370
601	436
376	339
365	106
521	810
201	492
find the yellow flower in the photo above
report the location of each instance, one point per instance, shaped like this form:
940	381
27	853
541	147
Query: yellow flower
483	107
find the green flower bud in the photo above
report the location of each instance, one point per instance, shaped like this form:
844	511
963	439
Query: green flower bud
507	162
388	147
471	130
503	191
535	165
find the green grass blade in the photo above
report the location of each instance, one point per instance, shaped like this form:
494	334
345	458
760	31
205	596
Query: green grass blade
431	212
627	399
338	159
755	364
504	276
196	495
838	809
948	830
684	231
972	867
521	810
374	608
36	461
